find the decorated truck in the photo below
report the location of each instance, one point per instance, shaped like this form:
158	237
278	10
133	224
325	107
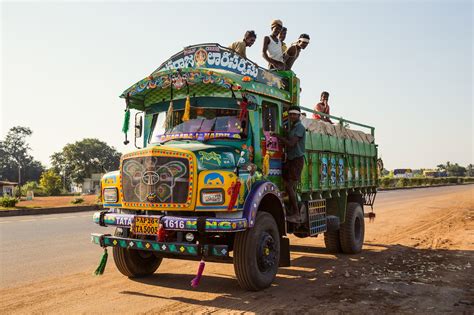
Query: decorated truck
205	182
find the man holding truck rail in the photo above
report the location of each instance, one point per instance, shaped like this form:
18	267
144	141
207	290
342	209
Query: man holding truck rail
295	149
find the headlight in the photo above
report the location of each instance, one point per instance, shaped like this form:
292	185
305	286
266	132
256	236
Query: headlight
212	196
110	194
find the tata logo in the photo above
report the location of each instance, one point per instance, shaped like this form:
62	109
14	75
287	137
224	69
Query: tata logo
150	178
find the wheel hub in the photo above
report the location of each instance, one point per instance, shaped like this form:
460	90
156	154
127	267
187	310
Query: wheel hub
266	254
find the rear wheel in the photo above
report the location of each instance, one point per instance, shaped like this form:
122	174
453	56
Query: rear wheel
135	263
353	230
257	253
333	242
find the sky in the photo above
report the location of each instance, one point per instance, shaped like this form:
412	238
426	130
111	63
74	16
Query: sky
404	67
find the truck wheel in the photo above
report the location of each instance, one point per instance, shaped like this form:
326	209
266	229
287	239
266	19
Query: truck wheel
332	242
135	263
331	236
353	229
257	253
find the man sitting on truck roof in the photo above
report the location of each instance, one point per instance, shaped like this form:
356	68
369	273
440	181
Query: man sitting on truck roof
295	148
240	47
272	51
323	107
293	52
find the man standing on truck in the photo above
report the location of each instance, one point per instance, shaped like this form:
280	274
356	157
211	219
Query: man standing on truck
323	107
293	52
272	47
294	142
240	47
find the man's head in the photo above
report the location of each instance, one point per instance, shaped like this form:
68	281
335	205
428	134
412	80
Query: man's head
324	96
276	27
294	113
249	38
282	34
303	41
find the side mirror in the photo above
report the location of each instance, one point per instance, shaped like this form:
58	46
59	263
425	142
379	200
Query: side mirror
138	125
138	128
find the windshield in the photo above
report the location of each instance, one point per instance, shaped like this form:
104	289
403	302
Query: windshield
207	124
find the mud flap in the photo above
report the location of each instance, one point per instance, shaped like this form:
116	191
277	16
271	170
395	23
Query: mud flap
285	252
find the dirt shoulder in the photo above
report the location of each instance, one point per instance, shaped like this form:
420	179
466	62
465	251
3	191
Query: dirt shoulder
417	258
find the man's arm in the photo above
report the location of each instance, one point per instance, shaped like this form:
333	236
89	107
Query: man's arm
290	142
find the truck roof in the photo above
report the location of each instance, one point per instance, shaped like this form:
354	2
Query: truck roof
206	69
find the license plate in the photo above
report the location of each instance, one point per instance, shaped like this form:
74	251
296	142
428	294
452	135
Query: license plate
145	225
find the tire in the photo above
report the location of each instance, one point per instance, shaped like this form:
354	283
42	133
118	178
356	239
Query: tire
353	230
257	254
135	263
333	242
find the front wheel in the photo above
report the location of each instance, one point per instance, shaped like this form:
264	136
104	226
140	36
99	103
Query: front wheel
135	263
257	253
353	230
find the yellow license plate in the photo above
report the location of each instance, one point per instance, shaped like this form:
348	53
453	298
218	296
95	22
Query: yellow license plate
145	225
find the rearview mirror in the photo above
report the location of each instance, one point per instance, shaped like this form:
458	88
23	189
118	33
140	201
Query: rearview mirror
138	126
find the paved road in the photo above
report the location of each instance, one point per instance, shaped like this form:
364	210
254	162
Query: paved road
37	247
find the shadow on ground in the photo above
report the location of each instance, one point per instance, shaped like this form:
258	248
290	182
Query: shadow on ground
381	278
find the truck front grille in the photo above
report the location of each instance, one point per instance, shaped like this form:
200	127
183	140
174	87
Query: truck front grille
156	180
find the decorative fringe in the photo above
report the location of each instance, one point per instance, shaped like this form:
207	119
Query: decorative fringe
169	117
197	279
103	262
266	164
187	109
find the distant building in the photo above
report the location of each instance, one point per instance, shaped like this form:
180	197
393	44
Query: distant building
402	173
7	188
89	186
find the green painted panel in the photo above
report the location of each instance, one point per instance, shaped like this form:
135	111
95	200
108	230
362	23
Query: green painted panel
332	170
356	171
308	141
324	171
305	174
340	144
317	141
350	171
315	170
363	171
326	143
348	146
373	150
340	171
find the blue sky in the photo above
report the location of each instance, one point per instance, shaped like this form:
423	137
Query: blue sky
404	67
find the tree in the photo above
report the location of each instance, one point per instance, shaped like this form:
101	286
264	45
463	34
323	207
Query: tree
16	164
470	170
81	159
51	182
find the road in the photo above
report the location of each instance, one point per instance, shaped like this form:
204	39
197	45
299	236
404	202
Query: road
417	258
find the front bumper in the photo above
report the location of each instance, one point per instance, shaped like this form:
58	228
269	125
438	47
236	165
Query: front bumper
173	249
174	223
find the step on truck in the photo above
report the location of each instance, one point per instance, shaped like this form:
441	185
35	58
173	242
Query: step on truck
205	182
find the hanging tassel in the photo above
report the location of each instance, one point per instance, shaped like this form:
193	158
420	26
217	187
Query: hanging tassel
234	193
126	124
103	262
266	164
197	279
187	108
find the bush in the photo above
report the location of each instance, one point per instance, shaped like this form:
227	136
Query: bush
8	202
77	201
402	182
51	182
